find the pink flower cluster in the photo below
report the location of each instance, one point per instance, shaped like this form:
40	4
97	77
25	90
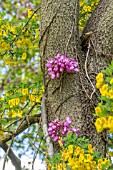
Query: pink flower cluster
57	129
61	64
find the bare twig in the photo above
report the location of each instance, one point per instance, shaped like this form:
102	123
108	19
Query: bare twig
16	132
8	149
45	127
17	119
14	159
35	153
87	54
69	38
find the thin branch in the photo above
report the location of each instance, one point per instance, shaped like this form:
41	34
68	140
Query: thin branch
14	159
20	125
87	71
17	119
8	149
29	111
32	120
70	36
45	127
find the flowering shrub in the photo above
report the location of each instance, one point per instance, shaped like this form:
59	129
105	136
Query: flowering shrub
61	64
75	152
57	128
104	110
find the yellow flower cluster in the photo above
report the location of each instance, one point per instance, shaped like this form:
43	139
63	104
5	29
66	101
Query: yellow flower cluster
30	12
33	97
24	55
99	80
76	158
4	30
13	102
104	89
104	123
86	7
15	113
27	41
26	95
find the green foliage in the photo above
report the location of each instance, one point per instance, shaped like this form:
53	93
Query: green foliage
77	153
86	8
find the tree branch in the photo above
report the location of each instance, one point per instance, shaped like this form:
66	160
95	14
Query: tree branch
32	119
15	161
45	128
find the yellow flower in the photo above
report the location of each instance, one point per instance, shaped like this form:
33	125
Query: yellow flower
25	91
70	149
32	98
12	102
2	98
43	88
24	55
29	13
104	121
81	157
38	99
34	91
37	32
13	114
88	8
17	100
1	134
99	76
98	125
60	142
104	90
7	94
110	153
110	124
19	91
90	149
12	29
97	110
85	8
110	93
111	81
101	123
77	151
19	114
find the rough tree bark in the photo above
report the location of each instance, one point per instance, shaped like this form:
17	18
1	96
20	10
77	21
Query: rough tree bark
60	34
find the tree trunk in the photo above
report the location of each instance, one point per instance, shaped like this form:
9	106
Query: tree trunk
74	95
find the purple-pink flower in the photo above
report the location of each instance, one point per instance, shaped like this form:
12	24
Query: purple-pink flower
60	64
56	128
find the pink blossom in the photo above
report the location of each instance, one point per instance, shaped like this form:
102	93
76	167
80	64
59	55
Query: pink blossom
61	64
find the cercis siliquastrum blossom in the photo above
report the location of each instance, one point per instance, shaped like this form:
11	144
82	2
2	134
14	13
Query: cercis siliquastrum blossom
56	129
60	64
